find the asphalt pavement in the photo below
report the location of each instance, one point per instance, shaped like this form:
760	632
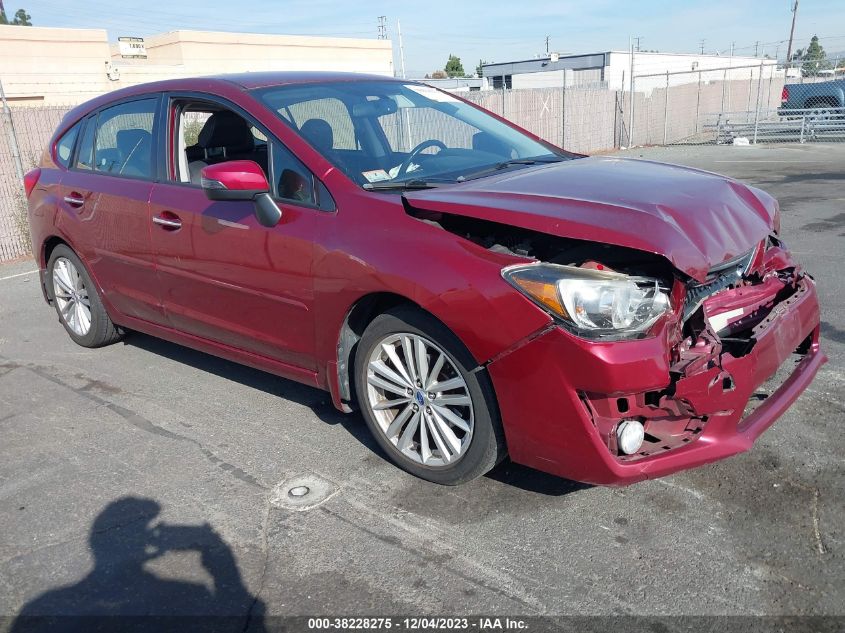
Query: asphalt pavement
146	473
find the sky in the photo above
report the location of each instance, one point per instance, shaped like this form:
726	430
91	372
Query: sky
475	29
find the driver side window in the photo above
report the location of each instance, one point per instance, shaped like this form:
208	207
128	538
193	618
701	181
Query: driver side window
209	133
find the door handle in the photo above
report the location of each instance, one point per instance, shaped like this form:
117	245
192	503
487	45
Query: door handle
171	223
75	200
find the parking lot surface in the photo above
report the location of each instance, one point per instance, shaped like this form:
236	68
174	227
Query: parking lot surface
147	473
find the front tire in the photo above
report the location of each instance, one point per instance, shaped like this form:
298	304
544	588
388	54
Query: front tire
426	408
77	303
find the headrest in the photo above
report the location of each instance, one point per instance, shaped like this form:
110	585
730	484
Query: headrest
318	133
226	129
133	140
486	142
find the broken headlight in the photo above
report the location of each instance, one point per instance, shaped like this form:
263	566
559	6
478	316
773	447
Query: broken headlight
593	303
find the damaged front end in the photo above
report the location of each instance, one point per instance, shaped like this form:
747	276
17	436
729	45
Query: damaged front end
680	367
713	368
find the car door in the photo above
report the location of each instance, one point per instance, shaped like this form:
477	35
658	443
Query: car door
223	276
105	199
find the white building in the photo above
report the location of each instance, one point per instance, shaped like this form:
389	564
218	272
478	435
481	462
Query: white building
613	69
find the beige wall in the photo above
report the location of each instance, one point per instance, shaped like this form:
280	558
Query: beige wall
48	66
45	66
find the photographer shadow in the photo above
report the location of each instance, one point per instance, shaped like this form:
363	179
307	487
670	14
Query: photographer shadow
121	594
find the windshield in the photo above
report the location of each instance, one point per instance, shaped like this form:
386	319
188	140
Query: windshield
385	133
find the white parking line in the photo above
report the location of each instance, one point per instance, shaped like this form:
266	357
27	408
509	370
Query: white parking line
803	162
19	275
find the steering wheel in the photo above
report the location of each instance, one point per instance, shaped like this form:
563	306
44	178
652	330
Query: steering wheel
403	168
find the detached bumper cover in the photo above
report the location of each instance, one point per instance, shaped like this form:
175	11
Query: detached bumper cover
550	424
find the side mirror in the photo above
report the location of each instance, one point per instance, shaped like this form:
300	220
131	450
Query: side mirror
241	180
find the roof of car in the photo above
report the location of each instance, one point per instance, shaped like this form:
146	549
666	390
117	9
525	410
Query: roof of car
277	78
238	81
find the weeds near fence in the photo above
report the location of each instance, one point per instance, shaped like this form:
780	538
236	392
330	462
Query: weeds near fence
21	222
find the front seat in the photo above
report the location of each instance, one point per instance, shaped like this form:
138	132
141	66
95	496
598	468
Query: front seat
224	131
319	133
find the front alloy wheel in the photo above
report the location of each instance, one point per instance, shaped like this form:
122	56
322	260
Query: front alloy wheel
419	399
427	404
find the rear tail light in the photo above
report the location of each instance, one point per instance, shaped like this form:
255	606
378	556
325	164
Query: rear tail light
784	95
30	180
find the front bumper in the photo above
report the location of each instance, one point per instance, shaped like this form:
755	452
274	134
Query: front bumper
553	419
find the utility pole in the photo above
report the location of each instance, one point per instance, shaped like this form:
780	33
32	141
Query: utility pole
756	47
791	33
401	47
547	44
382	27
631	96
638	43
701	46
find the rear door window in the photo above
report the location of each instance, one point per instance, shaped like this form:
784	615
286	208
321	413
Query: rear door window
85	155
124	140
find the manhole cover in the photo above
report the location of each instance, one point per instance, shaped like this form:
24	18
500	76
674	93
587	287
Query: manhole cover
302	492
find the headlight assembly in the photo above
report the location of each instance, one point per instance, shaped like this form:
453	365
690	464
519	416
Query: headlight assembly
595	304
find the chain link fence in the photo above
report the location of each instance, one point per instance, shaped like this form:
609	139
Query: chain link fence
750	103
24	133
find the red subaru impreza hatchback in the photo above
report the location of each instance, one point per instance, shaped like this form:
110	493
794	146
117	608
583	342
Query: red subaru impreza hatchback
472	289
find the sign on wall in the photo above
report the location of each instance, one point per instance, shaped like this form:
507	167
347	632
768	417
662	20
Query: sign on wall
132	47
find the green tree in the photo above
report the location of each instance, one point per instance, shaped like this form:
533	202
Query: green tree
454	68
22	18
814	58
478	69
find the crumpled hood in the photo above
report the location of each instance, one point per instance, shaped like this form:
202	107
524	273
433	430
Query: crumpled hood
695	219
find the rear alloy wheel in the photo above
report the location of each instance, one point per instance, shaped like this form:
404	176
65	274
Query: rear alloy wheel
71	296
76	300
433	416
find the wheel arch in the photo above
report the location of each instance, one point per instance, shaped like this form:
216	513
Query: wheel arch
820	100
357	318
46	250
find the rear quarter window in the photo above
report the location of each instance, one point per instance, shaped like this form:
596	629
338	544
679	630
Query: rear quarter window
64	146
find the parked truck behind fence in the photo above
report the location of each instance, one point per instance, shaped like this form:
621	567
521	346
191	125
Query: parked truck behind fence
824	100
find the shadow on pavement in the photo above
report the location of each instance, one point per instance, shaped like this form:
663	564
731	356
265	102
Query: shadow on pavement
532	480
317	400
120	594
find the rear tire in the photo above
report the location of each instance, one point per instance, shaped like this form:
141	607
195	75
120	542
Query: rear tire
822	110
77	302
444	425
